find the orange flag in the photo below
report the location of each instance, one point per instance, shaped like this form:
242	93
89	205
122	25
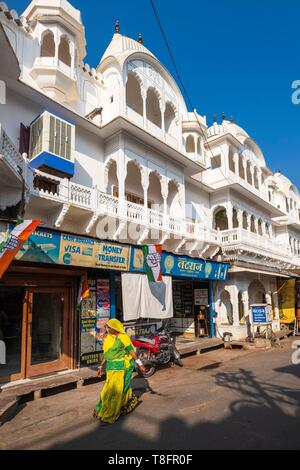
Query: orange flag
14	242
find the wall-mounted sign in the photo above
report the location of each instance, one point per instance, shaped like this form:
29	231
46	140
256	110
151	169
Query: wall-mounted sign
201	297
49	246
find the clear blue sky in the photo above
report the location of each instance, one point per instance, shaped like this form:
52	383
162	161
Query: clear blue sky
236	56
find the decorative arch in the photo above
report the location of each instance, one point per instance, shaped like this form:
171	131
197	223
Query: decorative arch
134	97
226	308
134	179
220	218
47	44
190	144
170	117
235	221
155	198
174	198
64	53
111	162
153	111
256	293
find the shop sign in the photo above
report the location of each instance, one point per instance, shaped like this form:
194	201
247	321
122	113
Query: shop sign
193	267
90	359
182	266
48	246
103	310
261	314
112	256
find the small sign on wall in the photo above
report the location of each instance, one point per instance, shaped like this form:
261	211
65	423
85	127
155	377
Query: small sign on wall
201	297
261	314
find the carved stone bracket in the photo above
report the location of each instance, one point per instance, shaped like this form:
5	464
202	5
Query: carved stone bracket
62	214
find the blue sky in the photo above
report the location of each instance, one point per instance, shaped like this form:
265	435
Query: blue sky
239	57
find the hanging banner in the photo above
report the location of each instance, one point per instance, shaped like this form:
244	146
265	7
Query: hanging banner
152	261
14	242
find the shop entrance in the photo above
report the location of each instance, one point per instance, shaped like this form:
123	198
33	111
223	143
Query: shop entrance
34	330
46	324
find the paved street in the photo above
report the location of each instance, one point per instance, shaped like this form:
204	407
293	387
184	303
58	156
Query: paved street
223	399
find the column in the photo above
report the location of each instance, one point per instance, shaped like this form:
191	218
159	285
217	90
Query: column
144	97
245	168
164	192
121	174
145	185
252	174
236	163
229	216
162	107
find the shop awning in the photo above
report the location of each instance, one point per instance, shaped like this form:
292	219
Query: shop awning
237	269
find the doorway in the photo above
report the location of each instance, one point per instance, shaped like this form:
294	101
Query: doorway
34	331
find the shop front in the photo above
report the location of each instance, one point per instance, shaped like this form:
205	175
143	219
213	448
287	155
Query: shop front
47	327
37	321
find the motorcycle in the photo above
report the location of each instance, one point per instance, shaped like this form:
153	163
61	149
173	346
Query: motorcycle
158	350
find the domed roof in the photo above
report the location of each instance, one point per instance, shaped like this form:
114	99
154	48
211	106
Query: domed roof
122	47
284	184
228	127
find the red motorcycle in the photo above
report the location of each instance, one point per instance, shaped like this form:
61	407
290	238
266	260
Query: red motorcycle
158	350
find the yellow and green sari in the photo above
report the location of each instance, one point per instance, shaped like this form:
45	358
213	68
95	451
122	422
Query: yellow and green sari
117	397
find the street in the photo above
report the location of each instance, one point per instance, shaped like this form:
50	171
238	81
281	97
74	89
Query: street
224	399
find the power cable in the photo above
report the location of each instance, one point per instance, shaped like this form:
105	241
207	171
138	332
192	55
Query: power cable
183	86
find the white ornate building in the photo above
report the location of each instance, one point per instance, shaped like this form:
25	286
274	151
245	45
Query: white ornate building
115	148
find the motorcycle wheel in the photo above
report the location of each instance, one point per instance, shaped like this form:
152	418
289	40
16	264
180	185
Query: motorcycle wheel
150	368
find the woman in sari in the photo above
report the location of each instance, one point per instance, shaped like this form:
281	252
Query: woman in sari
117	397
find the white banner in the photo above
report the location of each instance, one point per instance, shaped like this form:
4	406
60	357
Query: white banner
142	299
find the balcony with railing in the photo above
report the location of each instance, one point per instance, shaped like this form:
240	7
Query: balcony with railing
240	240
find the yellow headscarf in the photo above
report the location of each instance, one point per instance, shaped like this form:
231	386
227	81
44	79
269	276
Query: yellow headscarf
116	325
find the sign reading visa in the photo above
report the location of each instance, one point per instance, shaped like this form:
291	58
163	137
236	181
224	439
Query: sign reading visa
261	313
76	251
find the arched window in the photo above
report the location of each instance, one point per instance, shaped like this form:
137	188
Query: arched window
155	199
252	224
249	177
256	178
133	94
235	222
231	161
257	293
220	219
190	144
245	220
48	45
134	191
152	107
173	201
241	168
170	119
64	51
260	230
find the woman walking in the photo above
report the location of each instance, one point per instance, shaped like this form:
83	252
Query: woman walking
117	397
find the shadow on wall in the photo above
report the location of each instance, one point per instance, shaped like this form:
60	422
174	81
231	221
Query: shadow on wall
264	416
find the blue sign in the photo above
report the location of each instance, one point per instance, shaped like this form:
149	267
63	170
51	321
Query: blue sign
182	266
261	313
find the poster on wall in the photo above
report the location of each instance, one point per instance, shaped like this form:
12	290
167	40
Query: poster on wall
88	305
87	335
103	310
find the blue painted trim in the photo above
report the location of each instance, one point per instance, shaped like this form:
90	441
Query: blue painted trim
211	310
53	161
113	300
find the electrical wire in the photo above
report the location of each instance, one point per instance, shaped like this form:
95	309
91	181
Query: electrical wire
183	86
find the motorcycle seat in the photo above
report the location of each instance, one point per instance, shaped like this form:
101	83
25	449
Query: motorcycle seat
146	340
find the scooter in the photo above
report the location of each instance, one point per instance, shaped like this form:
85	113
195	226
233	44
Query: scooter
158	350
